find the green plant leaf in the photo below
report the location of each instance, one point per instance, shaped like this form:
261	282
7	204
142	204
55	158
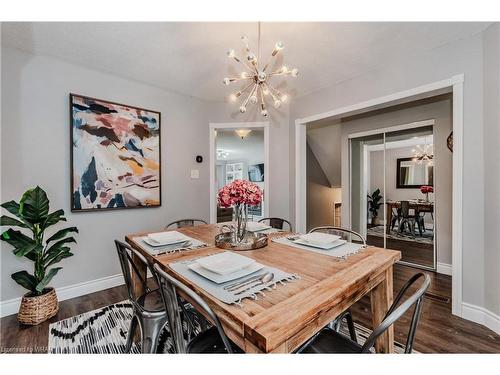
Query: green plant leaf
53	218
61	233
12	207
16	238
59	244
27	249
58	257
34	205
24	279
48	276
10	221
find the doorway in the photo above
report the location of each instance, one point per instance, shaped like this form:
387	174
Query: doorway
238	151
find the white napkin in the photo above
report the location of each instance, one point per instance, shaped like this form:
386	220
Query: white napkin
165	237
320	239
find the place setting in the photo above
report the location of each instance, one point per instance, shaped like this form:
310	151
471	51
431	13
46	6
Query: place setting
169	242
323	243
231	277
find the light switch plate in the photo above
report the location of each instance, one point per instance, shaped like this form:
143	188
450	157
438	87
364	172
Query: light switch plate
195	173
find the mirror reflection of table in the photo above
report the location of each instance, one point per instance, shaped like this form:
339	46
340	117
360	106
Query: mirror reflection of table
415	204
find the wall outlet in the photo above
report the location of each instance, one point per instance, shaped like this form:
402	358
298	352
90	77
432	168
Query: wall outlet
195	173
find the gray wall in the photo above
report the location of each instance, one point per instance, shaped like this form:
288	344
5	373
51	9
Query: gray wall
492	167
440	111
36	146
463	56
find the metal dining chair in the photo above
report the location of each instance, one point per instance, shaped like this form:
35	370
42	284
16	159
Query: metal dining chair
407	219
148	309
346	234
186	223
277	222
213	340
331	341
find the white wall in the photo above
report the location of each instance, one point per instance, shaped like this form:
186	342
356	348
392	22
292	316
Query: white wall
492	167
36	147
463	56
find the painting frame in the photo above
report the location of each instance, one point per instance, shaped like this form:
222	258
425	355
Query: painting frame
72	158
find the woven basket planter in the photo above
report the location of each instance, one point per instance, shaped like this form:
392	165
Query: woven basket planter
37	309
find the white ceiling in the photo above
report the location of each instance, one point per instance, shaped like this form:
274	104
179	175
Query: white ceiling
190	58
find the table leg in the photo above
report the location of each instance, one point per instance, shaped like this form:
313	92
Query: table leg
381	300
388	220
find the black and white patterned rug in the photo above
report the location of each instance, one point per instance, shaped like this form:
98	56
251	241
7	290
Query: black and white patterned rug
104	331
427	237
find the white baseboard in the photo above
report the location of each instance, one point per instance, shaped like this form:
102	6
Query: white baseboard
444	268
482	316
11	306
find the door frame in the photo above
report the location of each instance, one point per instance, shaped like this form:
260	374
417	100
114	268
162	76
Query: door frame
454	85
213	126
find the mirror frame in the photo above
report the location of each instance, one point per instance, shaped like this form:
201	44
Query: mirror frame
398	176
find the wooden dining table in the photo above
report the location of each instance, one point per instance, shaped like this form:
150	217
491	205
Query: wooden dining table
286	317
416	205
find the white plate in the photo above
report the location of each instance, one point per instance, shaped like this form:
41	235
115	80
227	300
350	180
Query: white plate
319	239
257	227
225	263
153	243
324	247
219	279
166	238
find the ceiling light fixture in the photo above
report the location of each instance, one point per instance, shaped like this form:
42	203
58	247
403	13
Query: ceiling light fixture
423	153
222	154
243	133
257	87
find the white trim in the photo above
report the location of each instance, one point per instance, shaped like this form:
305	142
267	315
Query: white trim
444	268
212	158
11	306
481	315
395	128
453	84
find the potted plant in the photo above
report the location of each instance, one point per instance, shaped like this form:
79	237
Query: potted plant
32	214
374	204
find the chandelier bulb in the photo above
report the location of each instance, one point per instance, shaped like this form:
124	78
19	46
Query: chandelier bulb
277	104
279	46
226	81
295	72
232	97
231	53
264	112
266	91
284	98
243	109
284	69
253	99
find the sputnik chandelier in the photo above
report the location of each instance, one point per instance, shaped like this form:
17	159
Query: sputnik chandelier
423	153
256	78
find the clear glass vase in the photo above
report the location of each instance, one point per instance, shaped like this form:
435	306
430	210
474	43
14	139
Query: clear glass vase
240	218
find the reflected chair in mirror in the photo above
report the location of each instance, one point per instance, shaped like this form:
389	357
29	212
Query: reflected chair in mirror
186	223
148	309
277	223
396	217
331	341
407	219
351	236
213	340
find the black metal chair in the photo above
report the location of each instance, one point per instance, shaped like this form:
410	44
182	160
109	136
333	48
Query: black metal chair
186	223
148	310
346	234
331	341
407	219
213	340
277	222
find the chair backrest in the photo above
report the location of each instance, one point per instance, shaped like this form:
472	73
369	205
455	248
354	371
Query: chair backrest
405	209
397	310
128	262
277	222
186	223
344	233
170	288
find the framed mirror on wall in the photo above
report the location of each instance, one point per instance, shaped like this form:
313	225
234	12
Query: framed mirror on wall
413	175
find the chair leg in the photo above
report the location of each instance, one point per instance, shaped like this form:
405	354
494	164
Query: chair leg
151	329
350	326
130	334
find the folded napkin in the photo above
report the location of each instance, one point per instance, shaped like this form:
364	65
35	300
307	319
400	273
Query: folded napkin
320	239
162	237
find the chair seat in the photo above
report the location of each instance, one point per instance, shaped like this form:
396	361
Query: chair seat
151	301
208	342
330	341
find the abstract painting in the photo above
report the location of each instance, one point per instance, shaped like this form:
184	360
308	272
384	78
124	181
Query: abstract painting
115	155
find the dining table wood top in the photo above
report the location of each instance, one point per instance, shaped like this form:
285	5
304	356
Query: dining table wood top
286	317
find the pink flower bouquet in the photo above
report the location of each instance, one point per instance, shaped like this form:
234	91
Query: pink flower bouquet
240	192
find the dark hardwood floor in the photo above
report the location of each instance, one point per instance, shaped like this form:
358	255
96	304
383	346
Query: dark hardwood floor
438	331
411	251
